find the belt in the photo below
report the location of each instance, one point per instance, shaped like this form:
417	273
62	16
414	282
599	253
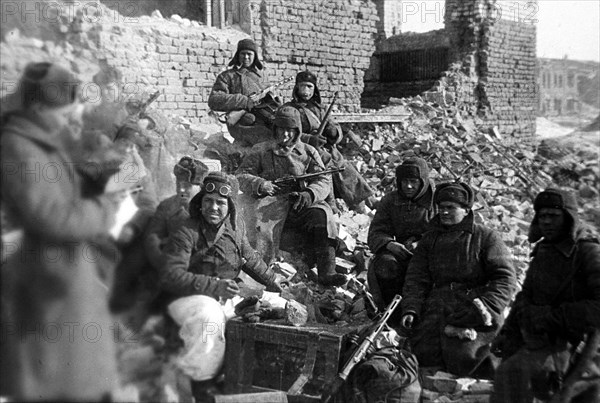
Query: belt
454	286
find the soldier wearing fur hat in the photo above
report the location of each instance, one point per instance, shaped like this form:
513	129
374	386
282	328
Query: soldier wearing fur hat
236	89
456	288
558	305
348	185
401	219
53	282
173	211
305	210
206	254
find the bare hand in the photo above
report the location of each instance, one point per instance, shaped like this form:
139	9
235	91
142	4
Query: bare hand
255	98
227	289
399	250
408	321
268	188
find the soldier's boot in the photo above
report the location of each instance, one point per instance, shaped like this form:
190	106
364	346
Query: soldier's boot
325	257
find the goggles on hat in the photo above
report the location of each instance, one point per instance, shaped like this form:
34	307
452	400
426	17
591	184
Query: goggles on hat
224	190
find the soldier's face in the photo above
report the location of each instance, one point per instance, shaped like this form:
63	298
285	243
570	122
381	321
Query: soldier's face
285	138
452	213
214	208
246	58
552	223
306	90
185	191
410	187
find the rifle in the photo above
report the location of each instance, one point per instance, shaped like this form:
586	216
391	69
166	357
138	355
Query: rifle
136	110
289	182
234	116
361	352
324	120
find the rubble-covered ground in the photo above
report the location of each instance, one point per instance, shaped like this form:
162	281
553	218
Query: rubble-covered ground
507	173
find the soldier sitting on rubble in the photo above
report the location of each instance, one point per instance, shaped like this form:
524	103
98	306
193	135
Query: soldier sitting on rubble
558	305
206	254
401	219
171	213
348	185
306	210
237	89
201	266
456	288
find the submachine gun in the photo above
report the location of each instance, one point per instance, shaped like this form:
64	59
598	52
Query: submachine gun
264	109
361	352
296	183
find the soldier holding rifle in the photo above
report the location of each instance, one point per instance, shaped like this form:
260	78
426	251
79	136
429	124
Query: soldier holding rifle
323	133
239	91
306	209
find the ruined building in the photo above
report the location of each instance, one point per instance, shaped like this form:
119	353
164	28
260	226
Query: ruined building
495	48
347	43
564	85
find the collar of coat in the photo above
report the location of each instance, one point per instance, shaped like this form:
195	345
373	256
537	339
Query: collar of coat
466	225
243	70
31	126
424	199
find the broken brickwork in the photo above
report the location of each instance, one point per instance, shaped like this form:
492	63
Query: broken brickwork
497	54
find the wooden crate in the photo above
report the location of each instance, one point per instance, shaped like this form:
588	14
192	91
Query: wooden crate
267	356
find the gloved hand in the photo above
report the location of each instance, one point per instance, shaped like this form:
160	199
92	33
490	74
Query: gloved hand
466	317
314	140
227	289
268	188
301	200
399	250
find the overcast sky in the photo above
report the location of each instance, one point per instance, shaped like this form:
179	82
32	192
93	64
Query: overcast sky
563	27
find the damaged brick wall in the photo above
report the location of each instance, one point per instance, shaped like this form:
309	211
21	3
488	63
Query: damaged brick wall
499	53
182	58
492	44
334	39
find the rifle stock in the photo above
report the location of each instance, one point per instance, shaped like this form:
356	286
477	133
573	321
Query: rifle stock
361	352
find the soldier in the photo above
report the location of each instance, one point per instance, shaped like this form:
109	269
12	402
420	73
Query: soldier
558	305
401	219
202	263
237	89
172	212
457	285
305	210
348	185
53	282
206	254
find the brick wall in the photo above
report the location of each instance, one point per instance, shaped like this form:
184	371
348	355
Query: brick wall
335	39
498	53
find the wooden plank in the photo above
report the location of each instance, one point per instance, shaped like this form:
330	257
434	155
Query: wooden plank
370	117
267	397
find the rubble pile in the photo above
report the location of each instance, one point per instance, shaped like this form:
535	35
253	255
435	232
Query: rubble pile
506	173
442	387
